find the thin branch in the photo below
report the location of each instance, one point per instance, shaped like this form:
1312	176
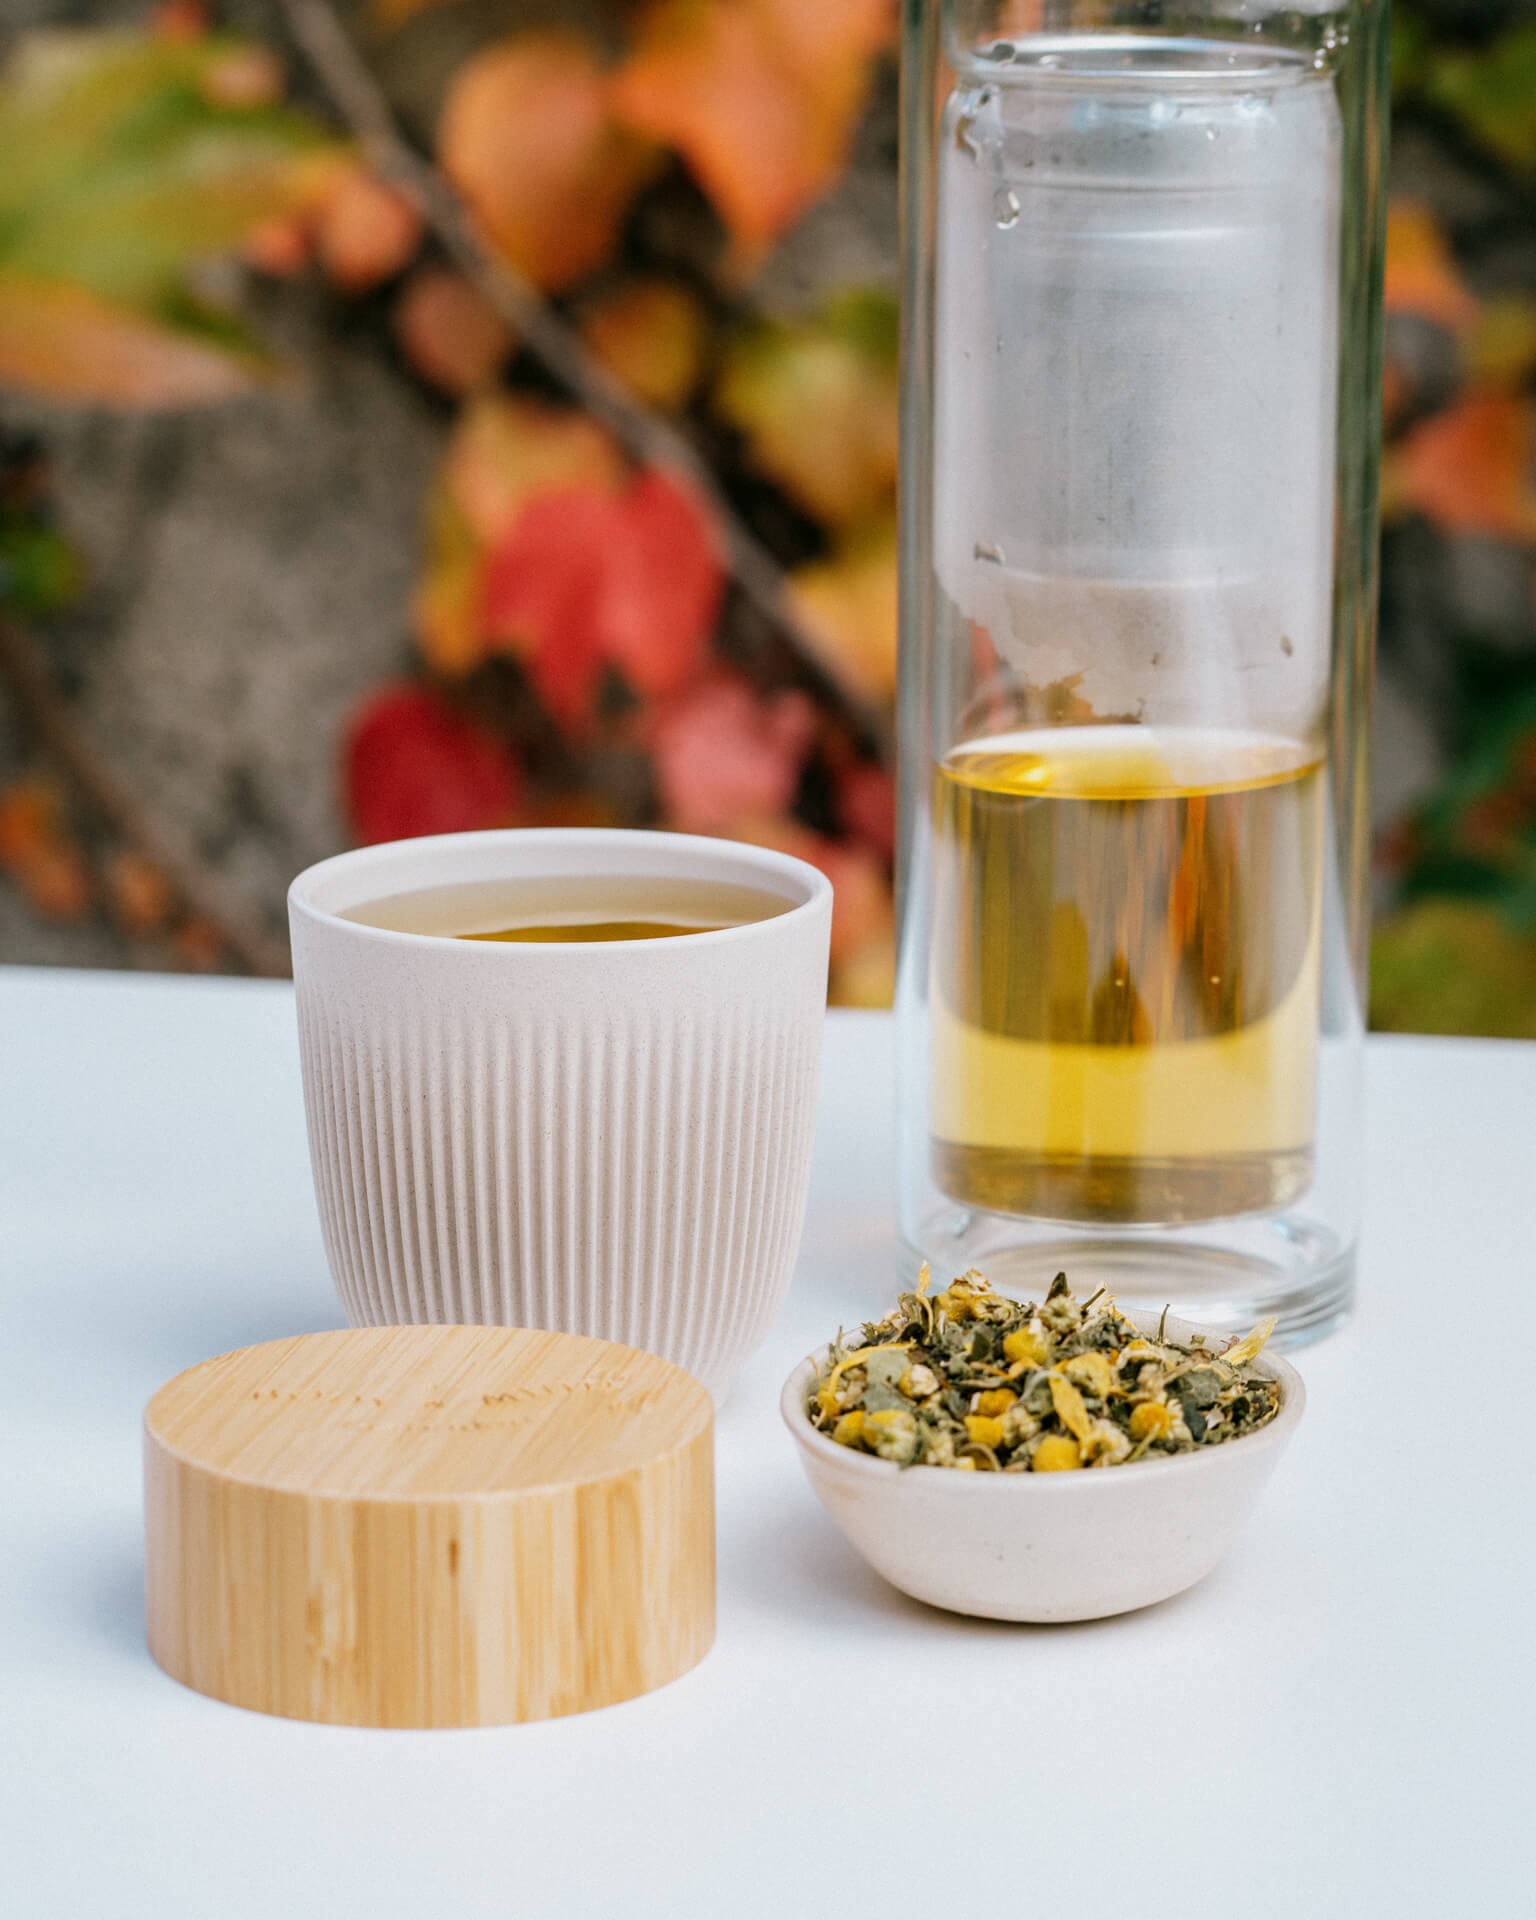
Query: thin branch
50	718
650	439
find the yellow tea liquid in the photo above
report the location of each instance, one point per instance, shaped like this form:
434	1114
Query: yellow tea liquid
1125	972
580	908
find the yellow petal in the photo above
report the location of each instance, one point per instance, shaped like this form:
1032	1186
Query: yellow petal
1024	1348
1091	1371
1070	1411
1249	1346
1056	1453
1151	1420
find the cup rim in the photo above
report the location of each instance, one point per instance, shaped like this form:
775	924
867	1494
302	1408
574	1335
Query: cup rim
749	859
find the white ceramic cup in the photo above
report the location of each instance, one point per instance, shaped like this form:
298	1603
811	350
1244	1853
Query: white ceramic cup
609	1138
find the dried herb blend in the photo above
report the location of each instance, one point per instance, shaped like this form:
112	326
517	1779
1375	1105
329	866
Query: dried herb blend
966	1378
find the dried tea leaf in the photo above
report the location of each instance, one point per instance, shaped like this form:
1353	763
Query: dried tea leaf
1155	1398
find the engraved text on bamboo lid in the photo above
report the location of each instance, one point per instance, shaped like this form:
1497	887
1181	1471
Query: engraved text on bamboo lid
413	1412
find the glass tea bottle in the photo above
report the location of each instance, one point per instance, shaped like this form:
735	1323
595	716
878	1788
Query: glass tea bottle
1141	432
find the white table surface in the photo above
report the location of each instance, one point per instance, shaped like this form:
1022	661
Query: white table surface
1340	1721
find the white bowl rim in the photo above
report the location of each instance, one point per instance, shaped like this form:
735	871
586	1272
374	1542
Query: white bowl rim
1274	1434
815	889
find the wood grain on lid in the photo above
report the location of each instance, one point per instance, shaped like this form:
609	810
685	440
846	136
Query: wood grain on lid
430	1526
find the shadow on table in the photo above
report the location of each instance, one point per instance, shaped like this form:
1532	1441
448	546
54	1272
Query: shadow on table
797	1565
112	1603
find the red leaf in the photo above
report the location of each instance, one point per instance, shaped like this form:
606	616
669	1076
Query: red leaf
584	577
866	800
662	586
543	587
413	765
723	754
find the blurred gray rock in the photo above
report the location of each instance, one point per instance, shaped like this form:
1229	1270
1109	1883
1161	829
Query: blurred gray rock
251	570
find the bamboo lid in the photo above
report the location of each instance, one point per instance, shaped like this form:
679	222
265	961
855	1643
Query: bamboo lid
430	1526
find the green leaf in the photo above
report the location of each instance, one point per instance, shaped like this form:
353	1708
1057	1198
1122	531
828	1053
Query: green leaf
1452	966
1492	92
817	403
1412	52
128	161
39	570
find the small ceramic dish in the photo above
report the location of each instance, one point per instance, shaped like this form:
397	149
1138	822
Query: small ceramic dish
1050	1546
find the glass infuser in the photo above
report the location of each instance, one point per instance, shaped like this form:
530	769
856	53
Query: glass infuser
1141	432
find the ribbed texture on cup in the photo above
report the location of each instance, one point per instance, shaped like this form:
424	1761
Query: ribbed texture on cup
641	1177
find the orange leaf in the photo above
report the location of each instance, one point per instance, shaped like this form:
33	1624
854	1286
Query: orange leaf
724	754
445	610
1470	468
862	912
527	136
138	893
279	245
866	977
1422	277
449	331
61	340
244	77
849	601
391	14
652	335
29	820
38	852
366	232
413	765
506	450
662	584
198	945
57	883
761	98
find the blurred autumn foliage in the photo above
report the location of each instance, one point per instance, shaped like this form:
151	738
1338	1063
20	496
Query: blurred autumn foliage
587	646
1455	948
